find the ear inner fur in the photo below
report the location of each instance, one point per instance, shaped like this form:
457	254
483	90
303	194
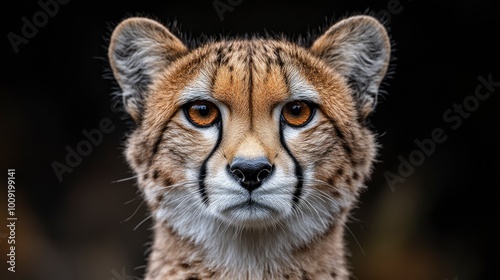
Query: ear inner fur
358	48
140	49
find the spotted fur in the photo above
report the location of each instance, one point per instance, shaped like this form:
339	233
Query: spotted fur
203	227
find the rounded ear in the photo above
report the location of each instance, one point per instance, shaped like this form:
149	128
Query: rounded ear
359	49
139	50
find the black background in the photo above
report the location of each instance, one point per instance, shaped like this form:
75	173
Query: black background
437	224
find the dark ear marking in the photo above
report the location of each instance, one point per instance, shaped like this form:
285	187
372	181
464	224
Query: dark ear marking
359	49
139	50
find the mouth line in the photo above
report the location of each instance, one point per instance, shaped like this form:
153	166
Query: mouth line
250	205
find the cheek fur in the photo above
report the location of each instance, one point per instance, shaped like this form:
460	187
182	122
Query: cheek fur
180	150
326	165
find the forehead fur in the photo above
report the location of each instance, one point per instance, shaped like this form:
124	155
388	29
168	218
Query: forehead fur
250	76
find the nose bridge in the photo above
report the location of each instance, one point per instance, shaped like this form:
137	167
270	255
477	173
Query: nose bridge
251	147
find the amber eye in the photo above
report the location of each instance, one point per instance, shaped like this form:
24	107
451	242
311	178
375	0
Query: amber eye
297	113
202	113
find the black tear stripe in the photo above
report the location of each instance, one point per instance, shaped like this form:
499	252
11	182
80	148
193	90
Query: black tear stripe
298	169
203	169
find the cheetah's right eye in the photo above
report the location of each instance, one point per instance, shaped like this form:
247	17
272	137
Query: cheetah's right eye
202	113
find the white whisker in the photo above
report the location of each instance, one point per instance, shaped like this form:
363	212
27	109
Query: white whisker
125	179
133	214
142	222
362	251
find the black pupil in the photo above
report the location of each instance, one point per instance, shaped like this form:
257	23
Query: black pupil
295	110
203	110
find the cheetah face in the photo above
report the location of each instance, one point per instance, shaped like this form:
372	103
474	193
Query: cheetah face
257	133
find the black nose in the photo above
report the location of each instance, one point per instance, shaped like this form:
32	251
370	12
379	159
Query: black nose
250	172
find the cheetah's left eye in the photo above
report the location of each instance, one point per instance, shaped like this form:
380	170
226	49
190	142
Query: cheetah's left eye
297	113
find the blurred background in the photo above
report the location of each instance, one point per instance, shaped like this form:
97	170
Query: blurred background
435	221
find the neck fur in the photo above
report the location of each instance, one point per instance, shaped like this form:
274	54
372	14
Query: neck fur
207	248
